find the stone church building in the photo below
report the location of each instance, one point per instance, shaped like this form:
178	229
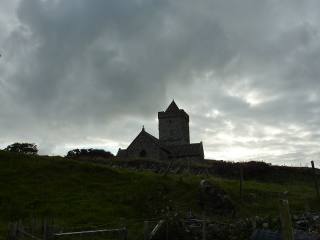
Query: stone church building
173	142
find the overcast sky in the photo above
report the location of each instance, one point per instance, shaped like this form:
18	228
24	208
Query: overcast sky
90	73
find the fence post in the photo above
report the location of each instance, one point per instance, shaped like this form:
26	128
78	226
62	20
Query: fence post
207	172
48	231
13	231
146	230
241	182
125	233
19	228
286	224
315	178
45	230
204	230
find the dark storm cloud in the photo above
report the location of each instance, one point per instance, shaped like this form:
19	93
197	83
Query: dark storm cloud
85	72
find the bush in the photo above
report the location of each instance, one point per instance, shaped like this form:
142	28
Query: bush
92	153
25	148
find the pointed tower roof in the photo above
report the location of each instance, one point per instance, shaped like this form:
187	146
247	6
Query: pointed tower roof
173	107
173	111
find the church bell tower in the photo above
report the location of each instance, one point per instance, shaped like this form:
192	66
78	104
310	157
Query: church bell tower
174	126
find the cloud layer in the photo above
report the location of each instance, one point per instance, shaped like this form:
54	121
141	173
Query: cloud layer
83	73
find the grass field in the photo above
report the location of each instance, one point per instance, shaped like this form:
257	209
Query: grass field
80	194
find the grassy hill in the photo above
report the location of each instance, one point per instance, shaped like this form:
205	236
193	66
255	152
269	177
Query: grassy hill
83	194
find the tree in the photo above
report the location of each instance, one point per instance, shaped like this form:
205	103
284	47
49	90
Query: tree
26	148
91	153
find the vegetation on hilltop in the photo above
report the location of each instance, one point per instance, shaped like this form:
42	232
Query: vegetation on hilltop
84	194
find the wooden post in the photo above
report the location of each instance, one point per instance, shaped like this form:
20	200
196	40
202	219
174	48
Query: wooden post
146	230
204	230
167	230
285	217
51	229
125	233
241	181
207	172
156	229
19	228
45	230
315	179
13	231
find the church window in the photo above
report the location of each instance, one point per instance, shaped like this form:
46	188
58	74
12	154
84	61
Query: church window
143	153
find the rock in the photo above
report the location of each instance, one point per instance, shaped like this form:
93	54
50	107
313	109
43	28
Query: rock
272	235
315	218
252	196
214	199
301	224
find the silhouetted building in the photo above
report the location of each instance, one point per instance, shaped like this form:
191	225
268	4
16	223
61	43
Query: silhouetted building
173	142
174	126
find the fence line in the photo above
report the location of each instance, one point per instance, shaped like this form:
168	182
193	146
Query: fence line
18	231
123	230
29	235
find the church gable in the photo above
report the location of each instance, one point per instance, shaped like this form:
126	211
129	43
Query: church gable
143	136
144	145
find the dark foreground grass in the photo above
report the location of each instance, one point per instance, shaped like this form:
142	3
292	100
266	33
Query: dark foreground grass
80	195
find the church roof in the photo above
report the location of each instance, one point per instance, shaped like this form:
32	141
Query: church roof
173	107
144	135
173	111
185	150
148	135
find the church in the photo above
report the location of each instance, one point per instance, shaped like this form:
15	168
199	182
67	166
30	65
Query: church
173	142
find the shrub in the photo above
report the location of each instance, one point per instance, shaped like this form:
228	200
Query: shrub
26	148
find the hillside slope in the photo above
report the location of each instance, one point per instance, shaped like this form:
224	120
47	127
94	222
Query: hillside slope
84	194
